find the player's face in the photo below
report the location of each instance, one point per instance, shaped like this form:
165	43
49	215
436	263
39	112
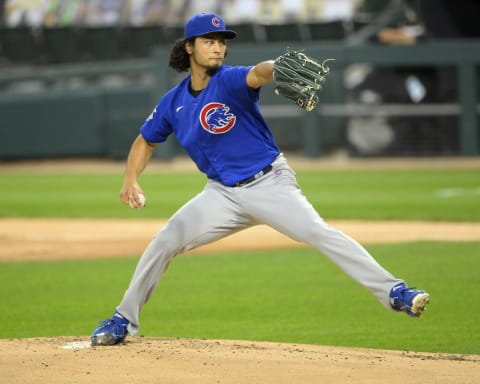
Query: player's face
208	52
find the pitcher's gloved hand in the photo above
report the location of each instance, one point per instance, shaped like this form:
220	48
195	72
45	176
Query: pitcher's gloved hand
299	78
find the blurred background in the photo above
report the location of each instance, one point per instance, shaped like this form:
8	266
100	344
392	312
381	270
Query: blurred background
78	78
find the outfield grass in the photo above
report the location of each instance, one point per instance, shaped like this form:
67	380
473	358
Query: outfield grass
293	296
374	194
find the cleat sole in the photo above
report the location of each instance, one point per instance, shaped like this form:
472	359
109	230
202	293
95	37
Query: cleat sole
419	302
104	339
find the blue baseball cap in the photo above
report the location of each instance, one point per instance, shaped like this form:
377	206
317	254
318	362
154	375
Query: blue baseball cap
204	23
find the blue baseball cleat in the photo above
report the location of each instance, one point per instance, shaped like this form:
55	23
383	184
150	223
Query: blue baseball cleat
111	331
409	300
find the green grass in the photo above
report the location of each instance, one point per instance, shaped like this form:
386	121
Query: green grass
91	195
426	195
414	195
292	295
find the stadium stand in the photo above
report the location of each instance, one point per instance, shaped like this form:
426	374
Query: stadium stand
19	44
142	39
62	44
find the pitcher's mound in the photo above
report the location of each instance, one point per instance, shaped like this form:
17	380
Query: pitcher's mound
184	361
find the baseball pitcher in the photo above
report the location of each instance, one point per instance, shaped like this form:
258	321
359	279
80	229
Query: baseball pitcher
214	115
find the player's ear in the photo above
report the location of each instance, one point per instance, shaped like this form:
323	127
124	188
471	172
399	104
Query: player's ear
189	46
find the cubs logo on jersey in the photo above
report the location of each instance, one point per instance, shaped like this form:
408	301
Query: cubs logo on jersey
216	118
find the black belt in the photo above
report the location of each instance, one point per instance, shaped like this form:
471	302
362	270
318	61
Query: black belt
248	180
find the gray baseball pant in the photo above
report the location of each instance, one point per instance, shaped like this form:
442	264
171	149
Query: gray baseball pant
274	199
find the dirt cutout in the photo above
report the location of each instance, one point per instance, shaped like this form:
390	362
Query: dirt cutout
61	239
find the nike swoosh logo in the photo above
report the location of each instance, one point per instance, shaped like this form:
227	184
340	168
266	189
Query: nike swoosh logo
179	108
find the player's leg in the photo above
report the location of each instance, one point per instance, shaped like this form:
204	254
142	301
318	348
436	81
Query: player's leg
209	216
279	202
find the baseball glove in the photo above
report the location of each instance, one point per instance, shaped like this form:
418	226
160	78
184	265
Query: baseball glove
299	78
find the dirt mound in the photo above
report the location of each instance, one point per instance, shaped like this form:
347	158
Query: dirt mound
156	360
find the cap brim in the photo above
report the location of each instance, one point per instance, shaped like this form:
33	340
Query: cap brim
227	34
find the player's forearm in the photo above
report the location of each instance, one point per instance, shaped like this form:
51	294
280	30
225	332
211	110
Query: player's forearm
138	158
260	74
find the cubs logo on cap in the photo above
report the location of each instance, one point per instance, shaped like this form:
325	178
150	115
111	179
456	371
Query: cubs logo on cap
204	23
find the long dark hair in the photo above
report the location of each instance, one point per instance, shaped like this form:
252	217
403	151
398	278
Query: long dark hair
179	58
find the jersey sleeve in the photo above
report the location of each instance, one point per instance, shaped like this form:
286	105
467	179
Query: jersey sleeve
156	128
236	78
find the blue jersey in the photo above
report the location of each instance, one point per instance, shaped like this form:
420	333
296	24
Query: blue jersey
221	129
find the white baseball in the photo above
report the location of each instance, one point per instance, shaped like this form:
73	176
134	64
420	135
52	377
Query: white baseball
142	199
